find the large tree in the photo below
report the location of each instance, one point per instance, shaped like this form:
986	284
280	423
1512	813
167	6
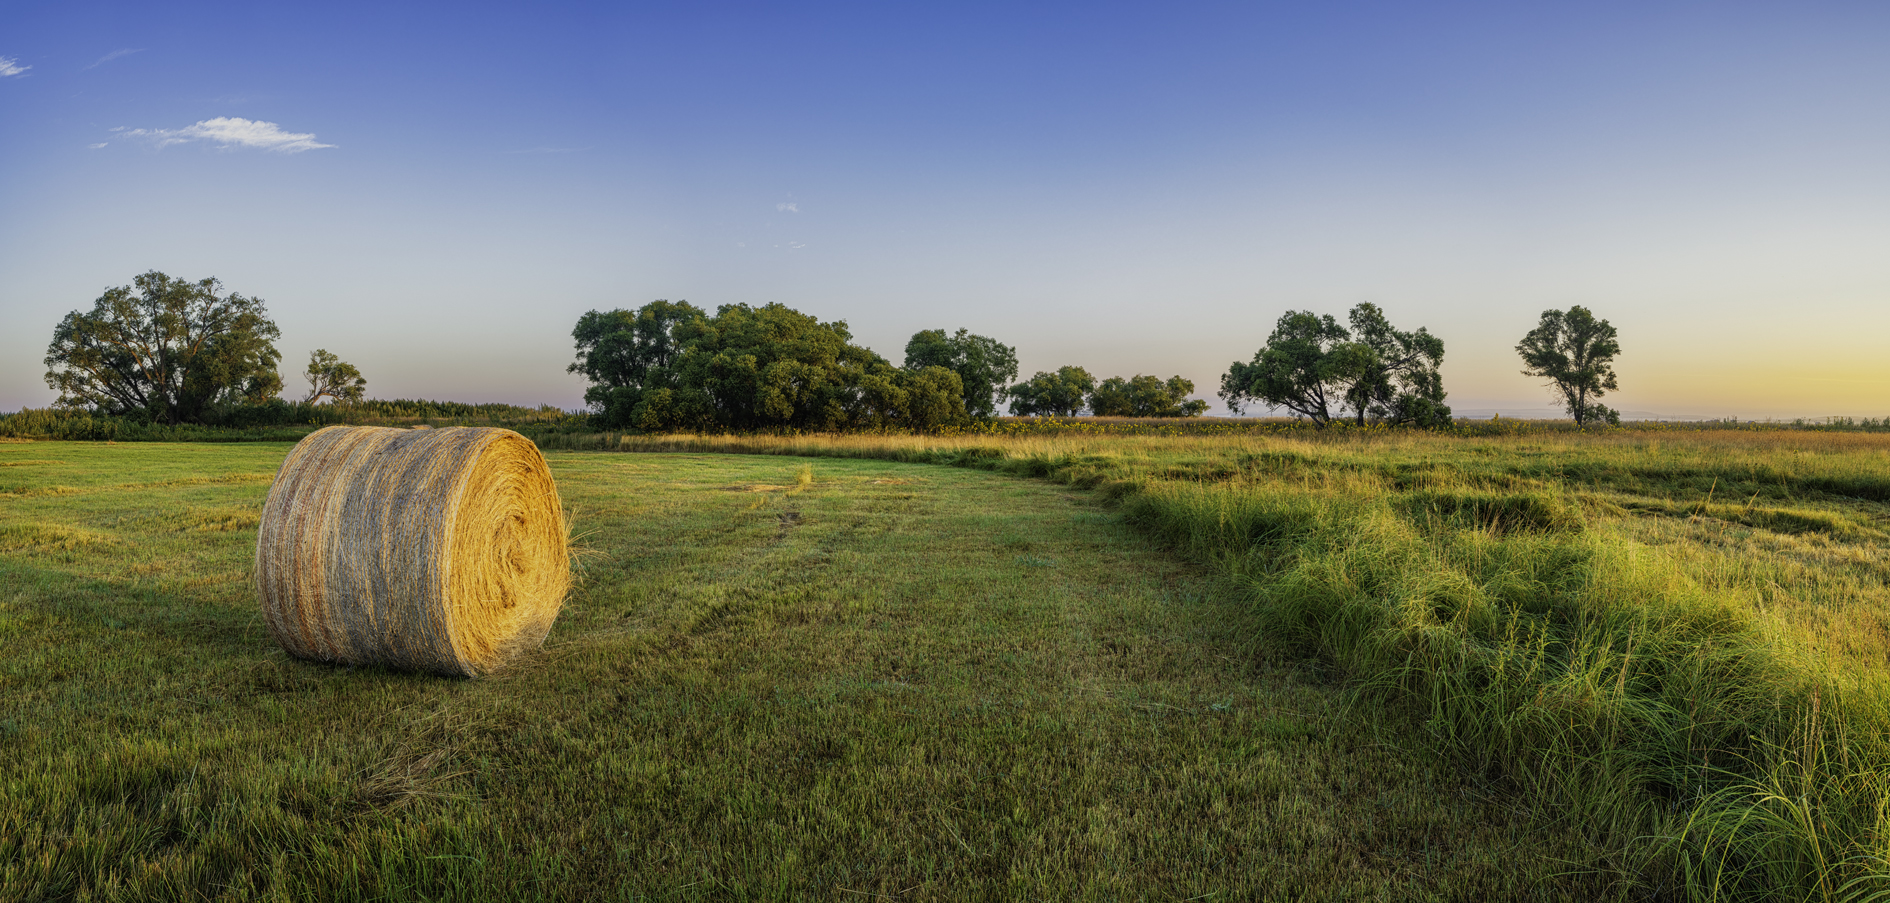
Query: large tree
1313	366
772	366
1574	352
1400	383
165	349
1306	367
625	353
752	368
1145	396
984	365
1060	393
331	377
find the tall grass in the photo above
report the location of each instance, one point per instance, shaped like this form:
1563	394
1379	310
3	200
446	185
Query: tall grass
1607	624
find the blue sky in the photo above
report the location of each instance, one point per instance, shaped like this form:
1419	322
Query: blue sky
436	193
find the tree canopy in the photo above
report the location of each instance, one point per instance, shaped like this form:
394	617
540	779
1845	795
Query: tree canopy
165	349
1305	367
1145	396
1061	393
984	365
1312	366
331	377
1574	352
663	367
1400	382
622	351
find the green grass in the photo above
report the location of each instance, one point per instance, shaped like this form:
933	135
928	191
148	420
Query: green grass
777	679
1676	640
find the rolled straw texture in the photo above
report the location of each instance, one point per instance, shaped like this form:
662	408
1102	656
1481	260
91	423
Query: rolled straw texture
431	550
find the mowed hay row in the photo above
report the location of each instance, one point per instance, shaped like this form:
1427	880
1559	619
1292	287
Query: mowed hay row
431	550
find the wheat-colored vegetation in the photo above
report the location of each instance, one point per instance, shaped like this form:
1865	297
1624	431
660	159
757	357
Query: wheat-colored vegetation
436	550
1679	640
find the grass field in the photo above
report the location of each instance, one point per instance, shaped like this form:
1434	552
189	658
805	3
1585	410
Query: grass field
1676	640
779	678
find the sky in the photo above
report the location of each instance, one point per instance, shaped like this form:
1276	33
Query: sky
436	193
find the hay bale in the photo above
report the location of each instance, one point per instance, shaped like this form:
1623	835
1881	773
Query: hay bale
434	550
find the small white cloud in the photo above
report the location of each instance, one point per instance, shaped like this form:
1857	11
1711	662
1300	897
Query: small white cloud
98	145
114	55
10	66
231	131
795	244
788	207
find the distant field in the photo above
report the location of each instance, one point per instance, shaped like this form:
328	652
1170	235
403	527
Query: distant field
779	678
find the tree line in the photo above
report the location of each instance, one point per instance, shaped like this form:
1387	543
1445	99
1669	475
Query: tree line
171	351
672	366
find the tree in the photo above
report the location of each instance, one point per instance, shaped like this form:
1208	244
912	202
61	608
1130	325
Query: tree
1060	393
1311	365
332	377
168	350
626	353
1306	366
934	399
984	365
1574	351
1145	396
1400	383
772	366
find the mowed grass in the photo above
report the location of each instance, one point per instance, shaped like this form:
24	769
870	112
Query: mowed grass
778	678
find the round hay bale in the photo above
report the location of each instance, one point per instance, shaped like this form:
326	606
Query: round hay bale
433	550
